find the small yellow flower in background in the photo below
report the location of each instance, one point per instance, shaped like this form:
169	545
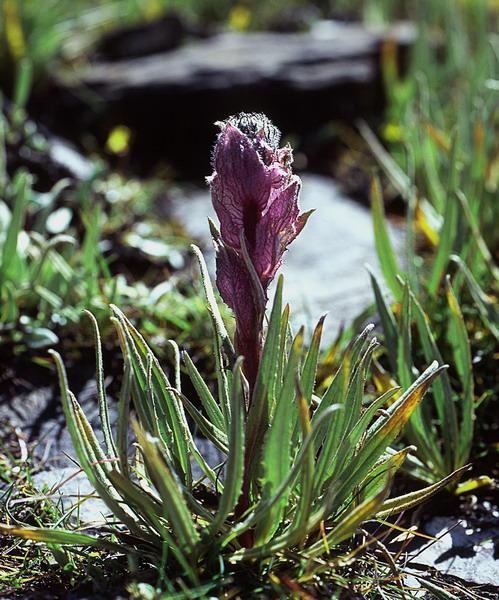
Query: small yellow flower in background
14	30
423	225
153	9
118	140
240	18
393	132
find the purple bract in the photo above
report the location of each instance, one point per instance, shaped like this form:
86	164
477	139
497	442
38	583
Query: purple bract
255	196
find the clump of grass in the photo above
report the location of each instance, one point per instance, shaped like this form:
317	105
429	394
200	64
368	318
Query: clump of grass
443	159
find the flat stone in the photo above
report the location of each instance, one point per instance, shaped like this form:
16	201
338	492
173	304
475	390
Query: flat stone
170	100
297	60
464	549
324	268
71	487
37	412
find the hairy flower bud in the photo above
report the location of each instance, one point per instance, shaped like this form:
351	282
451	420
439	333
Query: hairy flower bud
255	196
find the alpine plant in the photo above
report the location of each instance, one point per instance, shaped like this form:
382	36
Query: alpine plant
255	196
301	468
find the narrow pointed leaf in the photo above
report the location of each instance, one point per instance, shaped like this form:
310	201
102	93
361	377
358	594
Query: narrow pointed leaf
407	501
101	391
235	463
277	452
384	248
208	402
458	338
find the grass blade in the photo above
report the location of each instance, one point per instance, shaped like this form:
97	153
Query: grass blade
384	431
488	310
235	463
276	451
207	401
384	248
387	321
458	338
101	391
60	536
408	501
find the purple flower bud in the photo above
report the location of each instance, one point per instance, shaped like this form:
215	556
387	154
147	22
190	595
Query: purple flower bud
255	196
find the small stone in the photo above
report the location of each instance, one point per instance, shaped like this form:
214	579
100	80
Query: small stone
71	486
462	549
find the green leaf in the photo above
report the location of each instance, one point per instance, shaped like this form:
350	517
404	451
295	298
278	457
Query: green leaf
442	391
355	390
384	472
264	507
384	248
331	436
224	350
383	433
488	310
449	228
207	427
306	490
412	499
387	321
49	296
176	364
152	510
477	236
349	524
101	391
174	504
91	457
350	428
399	179
212	304
285	338
11	262
458	338
276	456
404	348
24	76
307	380
356	432
207	401
168	403
39	337
263	399
124	417
8	297
60	536
420	427
235	462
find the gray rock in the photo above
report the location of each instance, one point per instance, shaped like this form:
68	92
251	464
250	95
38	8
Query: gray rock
333	52
38	414
65	156
170	100
77	497
463	549
324	269
71	487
